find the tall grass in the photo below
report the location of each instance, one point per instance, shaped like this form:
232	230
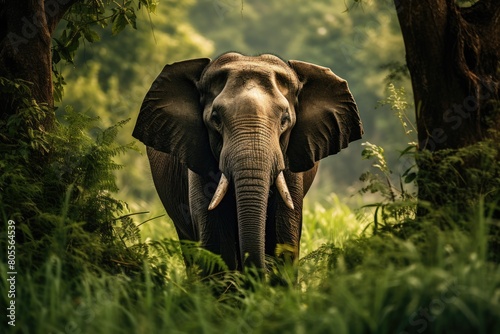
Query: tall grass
333	222
436	282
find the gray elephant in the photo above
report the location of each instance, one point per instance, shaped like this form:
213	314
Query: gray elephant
234	145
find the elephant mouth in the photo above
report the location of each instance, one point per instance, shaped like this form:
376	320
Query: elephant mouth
223	185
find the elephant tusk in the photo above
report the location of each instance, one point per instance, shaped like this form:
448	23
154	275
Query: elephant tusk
219	192
283	190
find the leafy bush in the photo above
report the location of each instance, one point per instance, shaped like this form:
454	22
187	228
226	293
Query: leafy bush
451	183
57	186
397	194
461	178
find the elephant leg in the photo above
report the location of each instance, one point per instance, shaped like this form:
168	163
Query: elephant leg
283	229
286	228
218	227
289	222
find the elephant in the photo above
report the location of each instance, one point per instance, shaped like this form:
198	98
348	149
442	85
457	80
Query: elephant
234	145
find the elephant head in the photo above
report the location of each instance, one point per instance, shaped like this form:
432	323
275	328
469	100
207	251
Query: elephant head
250	118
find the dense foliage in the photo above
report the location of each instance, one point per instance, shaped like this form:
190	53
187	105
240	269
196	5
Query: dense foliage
65	205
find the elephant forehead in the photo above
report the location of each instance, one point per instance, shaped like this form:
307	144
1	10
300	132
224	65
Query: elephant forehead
236	61
267	71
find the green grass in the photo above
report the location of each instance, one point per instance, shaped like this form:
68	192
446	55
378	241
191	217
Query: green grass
434	282
335	224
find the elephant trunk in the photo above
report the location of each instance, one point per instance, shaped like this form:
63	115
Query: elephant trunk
253	167
252	191
252	160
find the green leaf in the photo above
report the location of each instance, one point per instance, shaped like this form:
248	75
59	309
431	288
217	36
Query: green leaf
132	18
91	35
74	42
58	94
119	23
64	53
56	57
410	150
149	4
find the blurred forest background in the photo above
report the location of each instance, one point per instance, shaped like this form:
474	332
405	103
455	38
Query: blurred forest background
361	44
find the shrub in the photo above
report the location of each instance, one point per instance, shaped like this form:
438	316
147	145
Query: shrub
58	187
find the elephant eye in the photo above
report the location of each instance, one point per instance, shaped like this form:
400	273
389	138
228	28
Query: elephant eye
285	119
215	117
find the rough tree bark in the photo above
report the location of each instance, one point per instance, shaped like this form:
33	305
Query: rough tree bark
453	54
26	28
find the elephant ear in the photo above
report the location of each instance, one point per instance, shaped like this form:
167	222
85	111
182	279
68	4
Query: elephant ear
171	118
327	116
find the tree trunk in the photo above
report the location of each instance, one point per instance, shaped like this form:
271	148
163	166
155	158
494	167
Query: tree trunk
25	48
453	54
